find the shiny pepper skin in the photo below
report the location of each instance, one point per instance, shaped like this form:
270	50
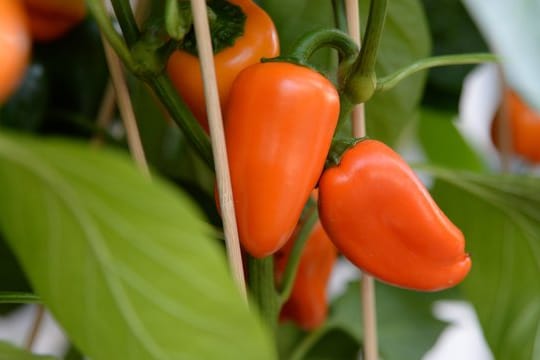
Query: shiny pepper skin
308	305
524	126
381	217
51	19
15	44
260	40
279	123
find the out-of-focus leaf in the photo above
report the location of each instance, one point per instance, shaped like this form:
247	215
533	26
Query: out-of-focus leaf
443	144
397	309
127	265
10	352
500	217
511	29
453	32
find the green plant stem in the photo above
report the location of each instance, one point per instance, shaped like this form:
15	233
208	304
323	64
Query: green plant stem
361	82
289	275
183	117
263	291
159	83
313	41
126	19
18	298
389	81
98	11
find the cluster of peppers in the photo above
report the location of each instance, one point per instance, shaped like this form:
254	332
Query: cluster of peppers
24	21
280	117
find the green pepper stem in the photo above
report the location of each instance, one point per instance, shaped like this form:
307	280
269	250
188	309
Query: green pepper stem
313	41
263	291
289	275
126	19
388	82
11	297
361	82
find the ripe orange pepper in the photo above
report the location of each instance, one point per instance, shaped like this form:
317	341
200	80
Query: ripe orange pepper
50	19
524	126
308	305
15	45
259	40
381	217
279	123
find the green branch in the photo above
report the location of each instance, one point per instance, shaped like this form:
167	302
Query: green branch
101	16
263	291
18	298
361	83
388	82
126	19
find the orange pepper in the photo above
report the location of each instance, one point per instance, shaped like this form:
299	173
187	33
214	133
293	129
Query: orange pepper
308	304
51	19
381	217
15	45
259	40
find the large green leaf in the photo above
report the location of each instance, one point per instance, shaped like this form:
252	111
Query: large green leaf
405	40
511	29
500	217
10	352
126	264
443	144
406	327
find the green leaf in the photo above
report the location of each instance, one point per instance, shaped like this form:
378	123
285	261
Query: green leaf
511	29
126	265
10	352
405	40
406	327
500	217
443	144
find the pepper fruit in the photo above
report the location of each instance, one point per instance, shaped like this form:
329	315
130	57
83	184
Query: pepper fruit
15	46
524	126
307	305
259	40
51	19
279	123
381	217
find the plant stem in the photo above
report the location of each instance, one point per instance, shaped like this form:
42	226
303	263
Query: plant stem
18	298
339	15
289	275
389	81
263	291
126	19
101	16
183	117
361	82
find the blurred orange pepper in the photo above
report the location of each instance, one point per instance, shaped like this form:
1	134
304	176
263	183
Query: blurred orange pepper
50	19
15	45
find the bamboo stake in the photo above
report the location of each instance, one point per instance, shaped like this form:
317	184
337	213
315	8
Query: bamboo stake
126	108
367	288
36	326
217	136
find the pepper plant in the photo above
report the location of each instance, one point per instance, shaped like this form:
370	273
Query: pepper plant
133	266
